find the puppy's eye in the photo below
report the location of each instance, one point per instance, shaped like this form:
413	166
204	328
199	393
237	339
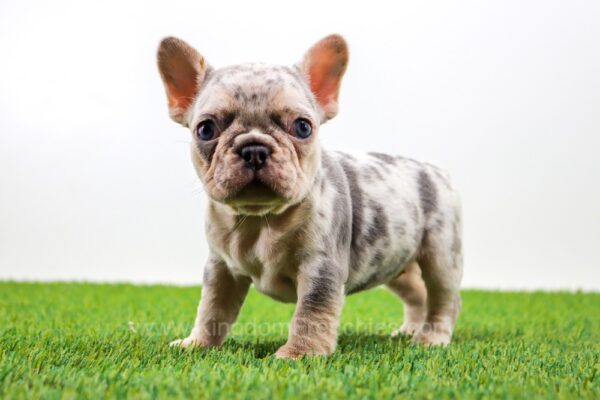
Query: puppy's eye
302	128
206	130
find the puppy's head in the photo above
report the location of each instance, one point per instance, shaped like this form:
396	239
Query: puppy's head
254	126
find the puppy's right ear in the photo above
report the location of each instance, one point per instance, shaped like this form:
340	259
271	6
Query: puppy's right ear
183	70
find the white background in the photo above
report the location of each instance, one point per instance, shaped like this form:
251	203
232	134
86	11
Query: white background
96	182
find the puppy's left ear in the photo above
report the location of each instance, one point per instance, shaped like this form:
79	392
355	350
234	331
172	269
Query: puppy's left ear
183	70
323	67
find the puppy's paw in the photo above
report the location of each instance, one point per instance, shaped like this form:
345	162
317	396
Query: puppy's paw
432	337
288	352
188	342
408	329
291	351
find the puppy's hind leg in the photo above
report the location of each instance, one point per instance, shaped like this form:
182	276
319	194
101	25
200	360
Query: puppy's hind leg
410	287
440	259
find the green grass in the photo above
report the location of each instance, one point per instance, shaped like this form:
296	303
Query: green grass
64	340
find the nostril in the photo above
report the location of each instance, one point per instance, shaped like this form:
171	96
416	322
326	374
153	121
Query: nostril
262	154
255	155
246	154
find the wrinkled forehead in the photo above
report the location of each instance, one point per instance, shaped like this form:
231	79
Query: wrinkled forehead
255	88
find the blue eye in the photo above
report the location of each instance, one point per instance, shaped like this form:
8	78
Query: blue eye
302	128
206	130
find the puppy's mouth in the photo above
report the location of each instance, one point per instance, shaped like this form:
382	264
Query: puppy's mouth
254	192
255	197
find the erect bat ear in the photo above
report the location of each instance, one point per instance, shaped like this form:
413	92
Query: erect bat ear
183	70
323	67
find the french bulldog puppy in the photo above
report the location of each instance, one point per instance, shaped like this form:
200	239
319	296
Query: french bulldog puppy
301	223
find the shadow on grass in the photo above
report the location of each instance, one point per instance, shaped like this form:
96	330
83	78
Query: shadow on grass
347	342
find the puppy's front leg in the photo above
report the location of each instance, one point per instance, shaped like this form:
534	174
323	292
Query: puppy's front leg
222	298
313	330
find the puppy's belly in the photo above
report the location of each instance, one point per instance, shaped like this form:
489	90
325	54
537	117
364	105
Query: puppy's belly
278	287
380	269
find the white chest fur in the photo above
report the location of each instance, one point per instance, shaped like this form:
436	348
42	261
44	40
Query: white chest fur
265	255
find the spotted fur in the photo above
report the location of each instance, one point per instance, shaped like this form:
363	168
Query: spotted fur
311	225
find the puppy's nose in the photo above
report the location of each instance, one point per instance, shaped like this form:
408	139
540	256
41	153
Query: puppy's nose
255	155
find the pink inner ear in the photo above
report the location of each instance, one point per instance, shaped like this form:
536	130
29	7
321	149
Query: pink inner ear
179	96
182	85
182	70
326	66
323	83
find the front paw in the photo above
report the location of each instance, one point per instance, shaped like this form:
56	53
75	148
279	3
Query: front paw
408	329
293	350
188	342
436	336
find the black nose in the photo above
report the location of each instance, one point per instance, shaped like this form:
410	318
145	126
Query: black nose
255	155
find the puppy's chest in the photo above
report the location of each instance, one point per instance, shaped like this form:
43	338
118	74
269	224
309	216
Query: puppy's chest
265	256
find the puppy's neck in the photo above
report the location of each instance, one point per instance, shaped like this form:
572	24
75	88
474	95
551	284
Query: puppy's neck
227	219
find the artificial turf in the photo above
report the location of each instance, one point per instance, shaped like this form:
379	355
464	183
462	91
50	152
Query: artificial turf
68	340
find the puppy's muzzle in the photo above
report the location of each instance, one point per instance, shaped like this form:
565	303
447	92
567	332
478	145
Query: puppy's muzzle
254	155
